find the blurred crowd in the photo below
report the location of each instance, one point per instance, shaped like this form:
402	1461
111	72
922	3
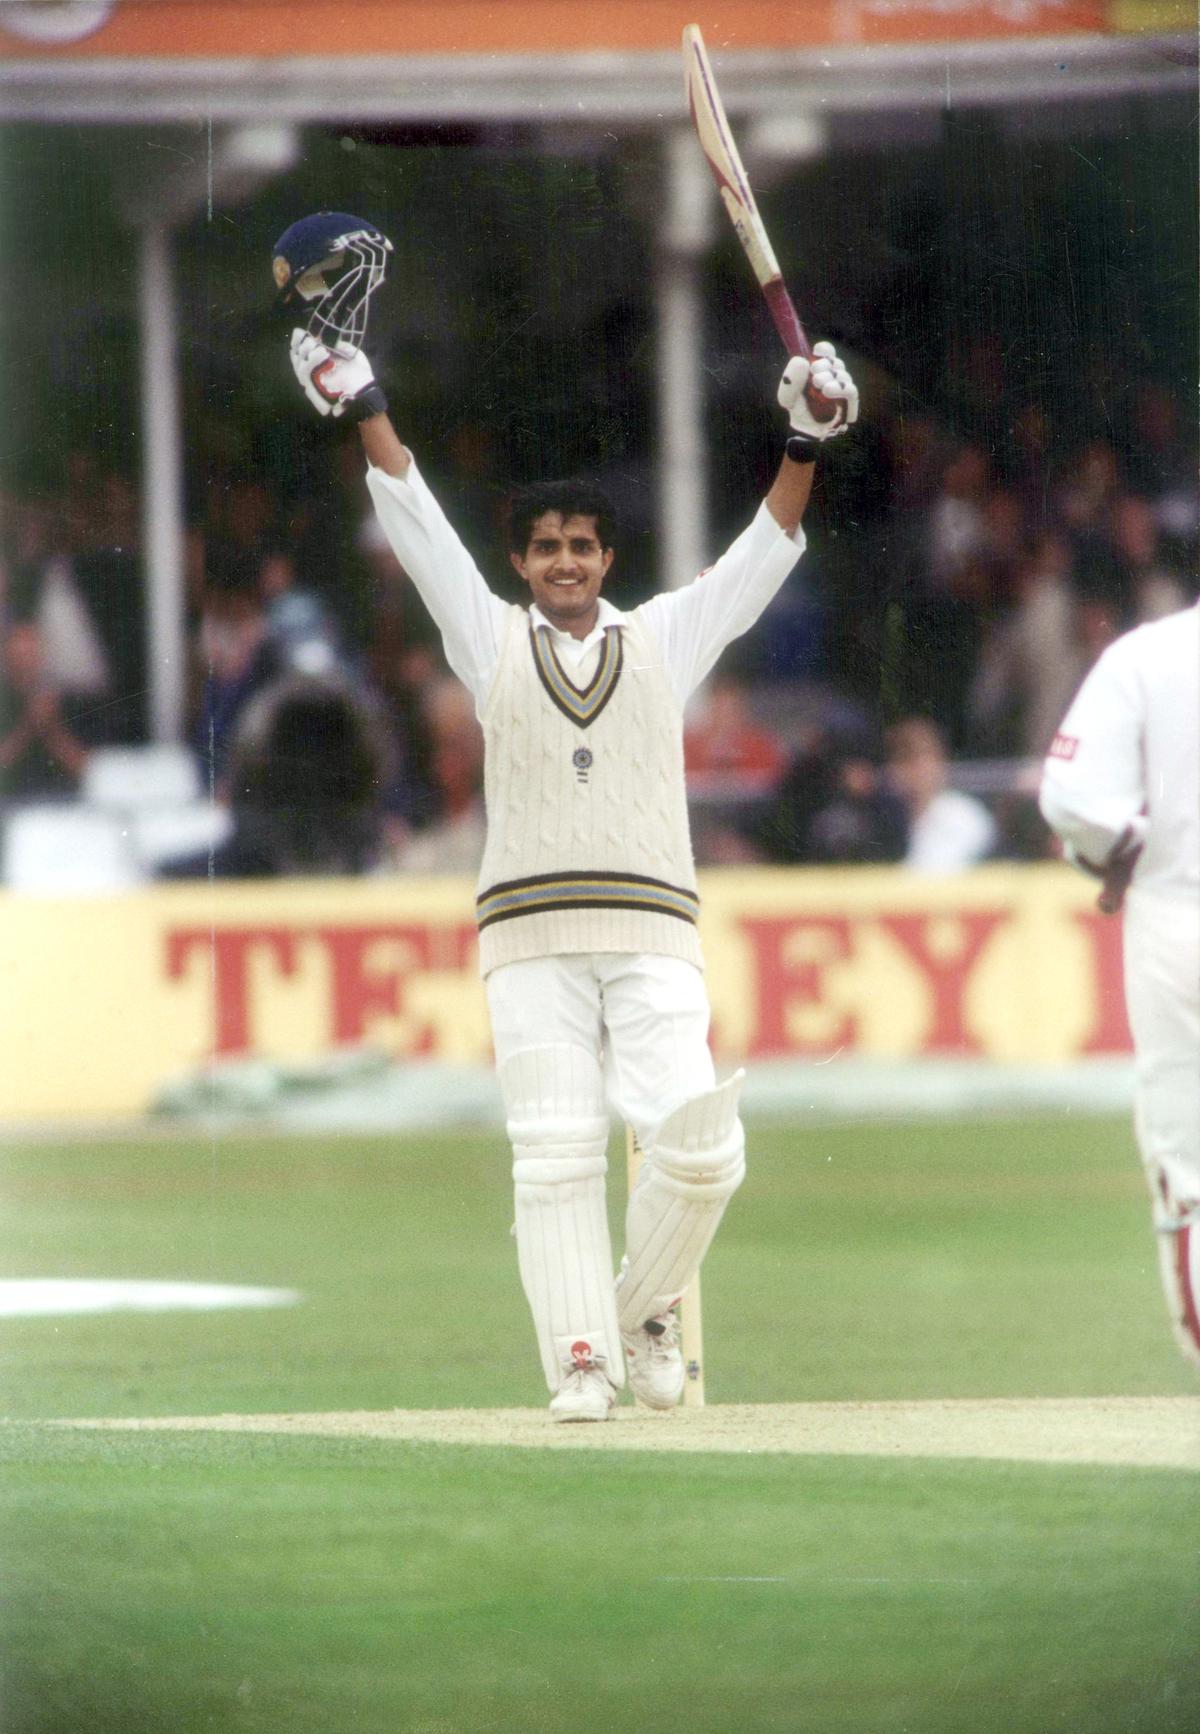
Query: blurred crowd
889	708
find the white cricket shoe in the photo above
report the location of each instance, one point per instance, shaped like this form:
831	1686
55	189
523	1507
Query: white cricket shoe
586	1393
655	1361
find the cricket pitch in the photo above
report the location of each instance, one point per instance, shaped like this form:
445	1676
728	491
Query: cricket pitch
1120	1432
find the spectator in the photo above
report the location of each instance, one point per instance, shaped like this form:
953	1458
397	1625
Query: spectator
106	572
947	829
1098	626
241	516
727	754
41	586
453	843
947	596
309	765
74	655
29	544
958	528
404	660
1162	462
733	767
1004	517
41	754
1085	505
833	806
237	657
1033	658
298	623
1150	585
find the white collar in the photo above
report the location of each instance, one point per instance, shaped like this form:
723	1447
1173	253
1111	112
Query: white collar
606	616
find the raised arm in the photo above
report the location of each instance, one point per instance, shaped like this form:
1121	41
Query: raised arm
694	623
383	447
789	493
468	616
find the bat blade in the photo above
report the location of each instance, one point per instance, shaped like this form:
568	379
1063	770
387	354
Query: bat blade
717	142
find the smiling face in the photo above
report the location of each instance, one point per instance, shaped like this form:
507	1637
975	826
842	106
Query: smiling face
564	566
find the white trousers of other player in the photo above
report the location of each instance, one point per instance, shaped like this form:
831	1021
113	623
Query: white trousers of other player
576	1037
1162	993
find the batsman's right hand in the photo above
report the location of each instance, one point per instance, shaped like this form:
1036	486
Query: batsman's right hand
334	381
1118	871
827	374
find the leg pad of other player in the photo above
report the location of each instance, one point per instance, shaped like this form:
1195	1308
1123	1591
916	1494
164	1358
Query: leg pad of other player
1177	1229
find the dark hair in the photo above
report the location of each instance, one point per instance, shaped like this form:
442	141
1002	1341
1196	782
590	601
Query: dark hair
572	498
232	571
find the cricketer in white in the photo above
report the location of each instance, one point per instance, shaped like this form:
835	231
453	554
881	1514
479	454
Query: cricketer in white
587	895
1121	787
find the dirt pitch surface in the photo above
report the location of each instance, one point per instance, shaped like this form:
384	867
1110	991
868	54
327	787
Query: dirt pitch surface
1124	1432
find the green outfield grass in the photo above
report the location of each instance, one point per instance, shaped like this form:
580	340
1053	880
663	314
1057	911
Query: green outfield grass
160	1581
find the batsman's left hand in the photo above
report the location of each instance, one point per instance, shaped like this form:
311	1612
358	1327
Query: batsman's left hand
828	375
334	381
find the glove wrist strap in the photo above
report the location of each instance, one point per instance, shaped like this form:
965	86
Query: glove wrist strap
371	400
801	449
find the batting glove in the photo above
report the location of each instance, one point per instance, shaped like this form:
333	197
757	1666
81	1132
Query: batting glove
828	376
336	381
1117	871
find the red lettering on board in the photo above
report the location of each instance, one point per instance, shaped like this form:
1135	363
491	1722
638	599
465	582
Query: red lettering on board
228	950
1109	1033
369	968
791	955
946	976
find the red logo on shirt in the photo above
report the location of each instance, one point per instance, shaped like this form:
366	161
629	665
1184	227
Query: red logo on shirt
1064	746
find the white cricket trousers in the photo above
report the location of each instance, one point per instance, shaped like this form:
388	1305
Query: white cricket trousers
1162	993
644	1017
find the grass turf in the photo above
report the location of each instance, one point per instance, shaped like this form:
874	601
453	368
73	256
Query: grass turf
251	1583
267	1584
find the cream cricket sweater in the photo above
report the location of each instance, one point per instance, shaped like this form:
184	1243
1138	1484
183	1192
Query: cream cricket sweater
588	847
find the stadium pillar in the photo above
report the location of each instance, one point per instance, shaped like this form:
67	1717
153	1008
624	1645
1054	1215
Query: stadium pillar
162	486
683	514
239	161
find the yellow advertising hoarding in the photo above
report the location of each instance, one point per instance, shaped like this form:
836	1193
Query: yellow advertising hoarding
104	1000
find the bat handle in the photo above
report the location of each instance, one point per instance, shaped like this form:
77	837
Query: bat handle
795	340
787	321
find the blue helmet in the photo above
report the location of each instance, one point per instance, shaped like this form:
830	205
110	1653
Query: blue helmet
332	262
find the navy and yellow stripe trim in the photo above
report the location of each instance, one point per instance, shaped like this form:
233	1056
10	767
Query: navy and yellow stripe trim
544	892
581	706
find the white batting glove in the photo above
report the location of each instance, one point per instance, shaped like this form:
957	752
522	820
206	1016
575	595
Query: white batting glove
824	374
332	380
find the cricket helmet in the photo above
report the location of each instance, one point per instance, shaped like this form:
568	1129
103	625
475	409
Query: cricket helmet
333	263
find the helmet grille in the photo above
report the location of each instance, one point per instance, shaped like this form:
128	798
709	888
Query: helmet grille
339	315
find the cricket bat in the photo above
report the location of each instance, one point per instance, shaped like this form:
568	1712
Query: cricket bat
717	143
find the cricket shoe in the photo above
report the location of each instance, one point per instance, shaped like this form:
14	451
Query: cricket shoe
586	1393
654	1358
